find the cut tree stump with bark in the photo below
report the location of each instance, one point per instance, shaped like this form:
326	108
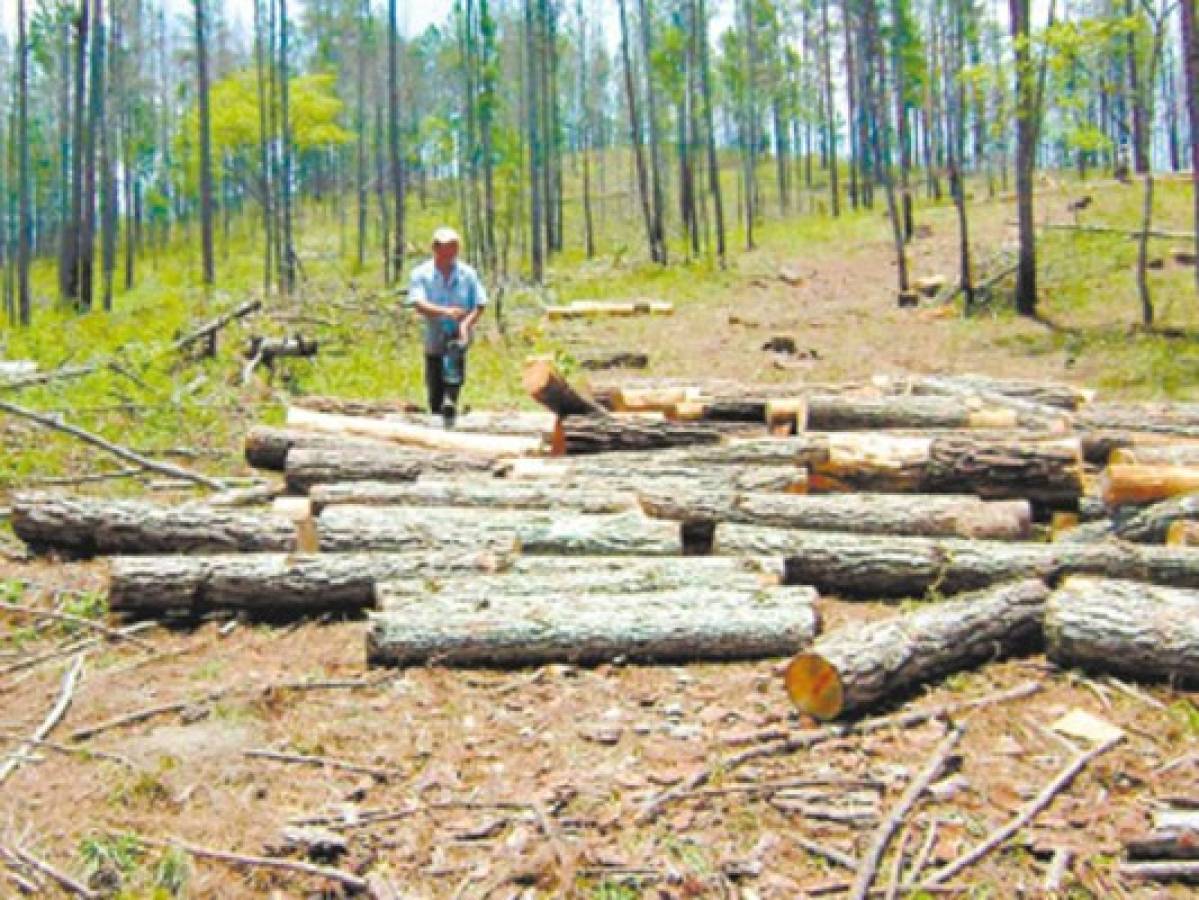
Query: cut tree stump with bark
1124	627
345	528
486	625
576	435
489	445
935	515
273	581
878	661
478	493
544	383
86	527
1122	485
875	566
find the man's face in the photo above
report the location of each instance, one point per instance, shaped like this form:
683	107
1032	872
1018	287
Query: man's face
445	254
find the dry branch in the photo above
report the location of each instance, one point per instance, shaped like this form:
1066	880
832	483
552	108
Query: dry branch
115	633
53	717
346	879
63	880
163	468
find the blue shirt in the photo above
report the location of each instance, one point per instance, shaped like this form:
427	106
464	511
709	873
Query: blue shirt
462	289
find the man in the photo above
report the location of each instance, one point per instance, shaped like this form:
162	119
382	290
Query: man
450	297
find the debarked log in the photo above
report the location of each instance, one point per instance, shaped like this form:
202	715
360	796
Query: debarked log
479	493
344	528
874	566
1145	632
875	661
937	515
273	581
485	625
85	527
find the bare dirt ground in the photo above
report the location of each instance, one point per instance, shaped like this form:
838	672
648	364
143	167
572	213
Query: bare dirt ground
534	782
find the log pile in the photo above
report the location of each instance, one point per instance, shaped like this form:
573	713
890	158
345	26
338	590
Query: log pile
639	521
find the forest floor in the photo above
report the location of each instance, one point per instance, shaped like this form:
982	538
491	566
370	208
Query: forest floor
532	781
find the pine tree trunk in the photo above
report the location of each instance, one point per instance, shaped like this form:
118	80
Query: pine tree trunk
1026	271
288	259
700	7
1190	51
395	159
830	115
207	252
657	234
24	223
643	189
73	234
534	131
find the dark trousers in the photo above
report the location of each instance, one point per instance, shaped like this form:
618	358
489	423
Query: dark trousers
435	385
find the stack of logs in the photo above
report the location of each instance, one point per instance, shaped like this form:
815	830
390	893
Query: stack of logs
671	521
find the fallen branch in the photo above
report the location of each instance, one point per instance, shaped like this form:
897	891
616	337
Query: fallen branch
209	329
1173	870
889	825
897	866
115	449
779	743
65	881
1123	232
1022	818
66	692
324	762
46	377
115	633
351	881
68	750
832	854
85	644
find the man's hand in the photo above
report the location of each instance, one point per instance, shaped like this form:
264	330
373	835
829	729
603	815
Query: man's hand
457	313
464	332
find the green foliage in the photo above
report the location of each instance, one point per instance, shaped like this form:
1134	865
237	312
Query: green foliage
1186	714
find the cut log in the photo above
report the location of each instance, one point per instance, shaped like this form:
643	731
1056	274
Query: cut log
649	399
1041	393
309	466
267	448
637	472
1131	484
1153	524
530	423
1048	472
1183	534
544	578
578	435
750	411
344	528
1164	843
1179	419
490	445
1131	629
830	412
875	566
545	384
934	516
484	624
267	350
1157	455
481	493
86	527
870	462
876	661
787	416
272	581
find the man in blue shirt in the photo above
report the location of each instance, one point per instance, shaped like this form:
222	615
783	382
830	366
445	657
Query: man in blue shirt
450	297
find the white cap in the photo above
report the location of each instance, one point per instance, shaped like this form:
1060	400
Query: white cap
446	235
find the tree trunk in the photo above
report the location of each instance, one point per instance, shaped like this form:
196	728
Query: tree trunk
288	259
545	384
605	434
877	661
1190	51
477	493
308	466
1039	393
830	116
207	252
657	233
264	153
1125	628
830	412
1026	271
873	567
710	136
343	528
1157	455
692	623
640	472
643	189
933	516
272	581
87	527
24	210
394	153
1049	472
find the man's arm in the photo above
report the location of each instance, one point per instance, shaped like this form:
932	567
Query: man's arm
467	324
418	299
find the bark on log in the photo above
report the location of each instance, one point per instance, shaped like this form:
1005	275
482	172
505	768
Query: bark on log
481	493
616	359
267	448
629	472
1152	524
490	445
873	566
346	406
87	527
871	462
830	412
1179	419
876	661
273	581
309	466
748	410
1131	629
604	434
267	350
900	514
343	528
1049	472
486	625
545	384
1165	843
1131	484
530	423
1042	393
